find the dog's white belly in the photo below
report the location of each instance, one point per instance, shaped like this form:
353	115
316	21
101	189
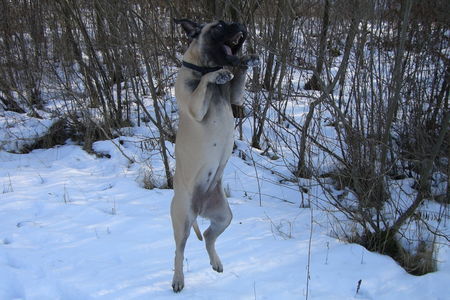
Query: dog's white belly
202	149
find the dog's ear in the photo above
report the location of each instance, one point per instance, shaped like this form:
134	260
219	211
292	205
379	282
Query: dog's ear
192	29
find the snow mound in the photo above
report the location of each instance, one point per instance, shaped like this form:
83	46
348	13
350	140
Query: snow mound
20	130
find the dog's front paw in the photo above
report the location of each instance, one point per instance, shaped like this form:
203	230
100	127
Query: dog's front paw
251	61
223	76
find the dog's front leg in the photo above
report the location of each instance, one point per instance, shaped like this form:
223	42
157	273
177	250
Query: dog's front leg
240	73
200	97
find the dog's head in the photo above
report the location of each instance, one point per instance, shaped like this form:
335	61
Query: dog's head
216	43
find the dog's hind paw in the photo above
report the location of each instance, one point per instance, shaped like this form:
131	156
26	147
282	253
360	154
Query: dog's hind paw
177	283
217	265
177	286
218	268
223	76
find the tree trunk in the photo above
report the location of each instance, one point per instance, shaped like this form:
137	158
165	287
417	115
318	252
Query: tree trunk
396	84
314	82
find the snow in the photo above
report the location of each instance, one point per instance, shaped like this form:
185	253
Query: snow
19	130
76	226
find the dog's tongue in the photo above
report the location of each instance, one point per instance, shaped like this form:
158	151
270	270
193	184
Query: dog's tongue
228	50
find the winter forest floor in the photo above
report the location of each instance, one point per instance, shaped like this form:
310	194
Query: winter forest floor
74	226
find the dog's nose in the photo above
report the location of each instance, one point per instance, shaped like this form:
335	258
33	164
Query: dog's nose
238	27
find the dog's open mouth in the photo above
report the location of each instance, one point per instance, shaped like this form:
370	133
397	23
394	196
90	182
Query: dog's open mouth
233	42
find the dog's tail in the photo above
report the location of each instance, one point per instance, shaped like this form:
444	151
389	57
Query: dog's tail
197	230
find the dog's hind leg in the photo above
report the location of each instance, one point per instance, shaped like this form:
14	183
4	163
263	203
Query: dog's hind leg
182	221
220	215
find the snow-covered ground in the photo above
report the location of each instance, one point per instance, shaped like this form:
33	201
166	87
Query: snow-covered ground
75	226
19	130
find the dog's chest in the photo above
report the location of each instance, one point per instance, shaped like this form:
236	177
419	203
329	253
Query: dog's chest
220	94
219	106
217	92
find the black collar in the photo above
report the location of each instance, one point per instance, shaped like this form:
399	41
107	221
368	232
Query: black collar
203	70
